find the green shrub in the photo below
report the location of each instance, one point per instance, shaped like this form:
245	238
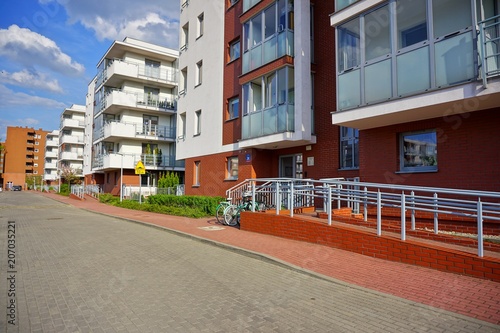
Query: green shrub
64	189
205	205
108	198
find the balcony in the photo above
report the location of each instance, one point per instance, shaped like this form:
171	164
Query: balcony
71	123
116	100
50	166
71	155
114	130
119	70
72	139
52	143
50	177
275	47
277	119
51	154
150	161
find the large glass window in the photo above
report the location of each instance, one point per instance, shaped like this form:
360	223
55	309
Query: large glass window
377	33
416	63
268	35
418	151
349	45
349	148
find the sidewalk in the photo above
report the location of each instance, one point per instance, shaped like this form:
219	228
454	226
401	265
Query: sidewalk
472	297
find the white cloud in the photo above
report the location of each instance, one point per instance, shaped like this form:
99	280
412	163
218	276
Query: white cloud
10	98
30	79
31	49
154	21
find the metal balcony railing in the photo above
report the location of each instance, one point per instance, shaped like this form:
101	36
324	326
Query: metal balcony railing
489	43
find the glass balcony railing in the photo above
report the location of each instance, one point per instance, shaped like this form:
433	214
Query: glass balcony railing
271	49
134	130
276	119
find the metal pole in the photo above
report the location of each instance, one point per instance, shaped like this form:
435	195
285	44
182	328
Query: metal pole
121	179
379	213
436	231
480	249
140	195
403	217
329	205
412	210
291	200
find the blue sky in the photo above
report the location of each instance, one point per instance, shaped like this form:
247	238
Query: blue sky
49	50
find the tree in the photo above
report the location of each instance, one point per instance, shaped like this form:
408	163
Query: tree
69	174
32	180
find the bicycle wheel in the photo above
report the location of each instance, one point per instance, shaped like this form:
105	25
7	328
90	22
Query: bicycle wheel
231	215
220	212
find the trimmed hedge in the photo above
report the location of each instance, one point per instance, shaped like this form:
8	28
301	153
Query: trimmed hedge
188	206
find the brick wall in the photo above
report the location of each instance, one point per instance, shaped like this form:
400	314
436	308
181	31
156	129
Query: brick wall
383	247
468	152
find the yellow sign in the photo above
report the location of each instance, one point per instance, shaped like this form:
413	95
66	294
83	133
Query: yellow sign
140	169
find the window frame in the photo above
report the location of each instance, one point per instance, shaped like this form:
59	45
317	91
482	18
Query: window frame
196	173
230	108
197	123
200	25
231	163
232	56
352	141
402	153
199	73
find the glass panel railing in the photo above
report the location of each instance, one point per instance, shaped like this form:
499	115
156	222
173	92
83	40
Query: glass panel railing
247	4
349	94
256	124
270	49
413	71
378	78
277	46
454	58
270	120
341	4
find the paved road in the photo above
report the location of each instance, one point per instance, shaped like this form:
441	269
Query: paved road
77	271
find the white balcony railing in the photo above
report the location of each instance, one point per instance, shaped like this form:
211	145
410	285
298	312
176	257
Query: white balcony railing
130	69
73	156
129	161
137	100
51	154
75	123
135	130
72	139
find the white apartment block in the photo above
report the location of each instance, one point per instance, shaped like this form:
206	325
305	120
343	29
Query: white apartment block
51	155
201	62
71	138
132	105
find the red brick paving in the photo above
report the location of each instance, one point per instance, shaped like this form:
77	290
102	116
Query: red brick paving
473	297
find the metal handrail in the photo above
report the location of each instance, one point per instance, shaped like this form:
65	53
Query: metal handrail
287	192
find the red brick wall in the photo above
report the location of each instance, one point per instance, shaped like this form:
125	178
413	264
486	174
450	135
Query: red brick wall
369	244
468	152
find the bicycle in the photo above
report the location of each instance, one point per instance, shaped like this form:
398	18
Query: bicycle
232	212
219	211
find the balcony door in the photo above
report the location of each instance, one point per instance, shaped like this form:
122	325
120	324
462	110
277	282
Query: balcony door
152	68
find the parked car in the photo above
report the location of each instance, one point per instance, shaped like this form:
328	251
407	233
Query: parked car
17	188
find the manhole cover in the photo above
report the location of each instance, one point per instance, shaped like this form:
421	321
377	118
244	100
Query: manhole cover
211	228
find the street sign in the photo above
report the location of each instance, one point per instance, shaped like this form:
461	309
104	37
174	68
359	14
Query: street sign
140	169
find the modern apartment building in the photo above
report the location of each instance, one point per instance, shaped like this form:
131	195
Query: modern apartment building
71	139
23	155
419	80
50	176
131	113
394	91
263	107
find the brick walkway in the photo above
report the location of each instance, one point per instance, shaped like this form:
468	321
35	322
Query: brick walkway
476	298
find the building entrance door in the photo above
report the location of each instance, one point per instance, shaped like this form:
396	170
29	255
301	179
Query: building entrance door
291	166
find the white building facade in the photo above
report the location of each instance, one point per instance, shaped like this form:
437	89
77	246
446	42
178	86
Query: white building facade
132	107
51	176
71	139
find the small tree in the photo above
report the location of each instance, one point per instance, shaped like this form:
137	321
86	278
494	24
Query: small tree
168	180
32	181
70	175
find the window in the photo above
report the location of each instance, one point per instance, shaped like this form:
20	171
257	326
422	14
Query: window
233	108
183	83
389	52
199	72
234	50
35	165
150	125
200	25
418	151
182	126
197	122
151	96
37	150
339	4
349	148
152	68
196	174
35	172
37	143
232	168
184	37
